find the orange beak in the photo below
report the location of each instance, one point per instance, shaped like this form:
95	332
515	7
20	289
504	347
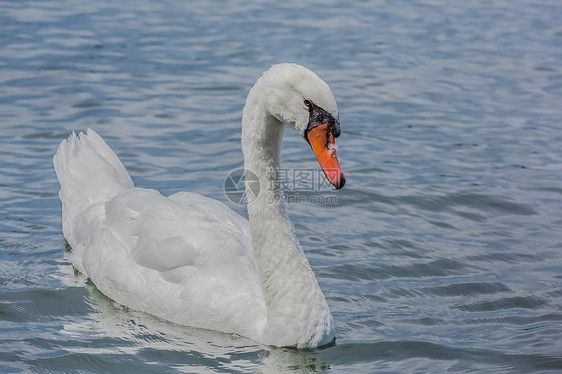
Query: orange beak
323	144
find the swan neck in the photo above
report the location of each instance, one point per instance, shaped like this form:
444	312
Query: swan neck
298	314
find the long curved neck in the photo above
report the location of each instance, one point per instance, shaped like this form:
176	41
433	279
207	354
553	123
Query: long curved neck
298	314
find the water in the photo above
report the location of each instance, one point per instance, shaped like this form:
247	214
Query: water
444	250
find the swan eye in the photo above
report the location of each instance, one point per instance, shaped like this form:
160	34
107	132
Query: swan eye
308	103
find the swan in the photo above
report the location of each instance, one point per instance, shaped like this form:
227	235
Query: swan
192	260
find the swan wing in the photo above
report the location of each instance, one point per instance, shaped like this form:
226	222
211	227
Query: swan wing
184	230
185	258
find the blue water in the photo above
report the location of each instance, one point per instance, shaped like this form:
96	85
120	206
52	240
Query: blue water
443	251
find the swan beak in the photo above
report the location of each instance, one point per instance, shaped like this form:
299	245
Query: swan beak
323	144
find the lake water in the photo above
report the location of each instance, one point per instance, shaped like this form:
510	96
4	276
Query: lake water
442	253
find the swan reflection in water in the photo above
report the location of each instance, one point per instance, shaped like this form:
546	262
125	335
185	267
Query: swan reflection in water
123	333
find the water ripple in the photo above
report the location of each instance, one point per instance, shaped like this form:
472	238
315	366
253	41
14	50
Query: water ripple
442	252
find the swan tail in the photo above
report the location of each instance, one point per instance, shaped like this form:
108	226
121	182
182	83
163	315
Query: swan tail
88	171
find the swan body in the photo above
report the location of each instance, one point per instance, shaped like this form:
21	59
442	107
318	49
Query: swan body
192	260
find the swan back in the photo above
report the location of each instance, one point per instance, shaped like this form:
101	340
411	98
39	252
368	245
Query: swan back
185	258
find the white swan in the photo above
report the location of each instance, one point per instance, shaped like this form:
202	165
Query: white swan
192	260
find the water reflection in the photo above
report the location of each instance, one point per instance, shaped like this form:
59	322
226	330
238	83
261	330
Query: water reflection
281	360
116	330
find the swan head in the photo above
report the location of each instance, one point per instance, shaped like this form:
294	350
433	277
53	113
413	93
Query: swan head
296	96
